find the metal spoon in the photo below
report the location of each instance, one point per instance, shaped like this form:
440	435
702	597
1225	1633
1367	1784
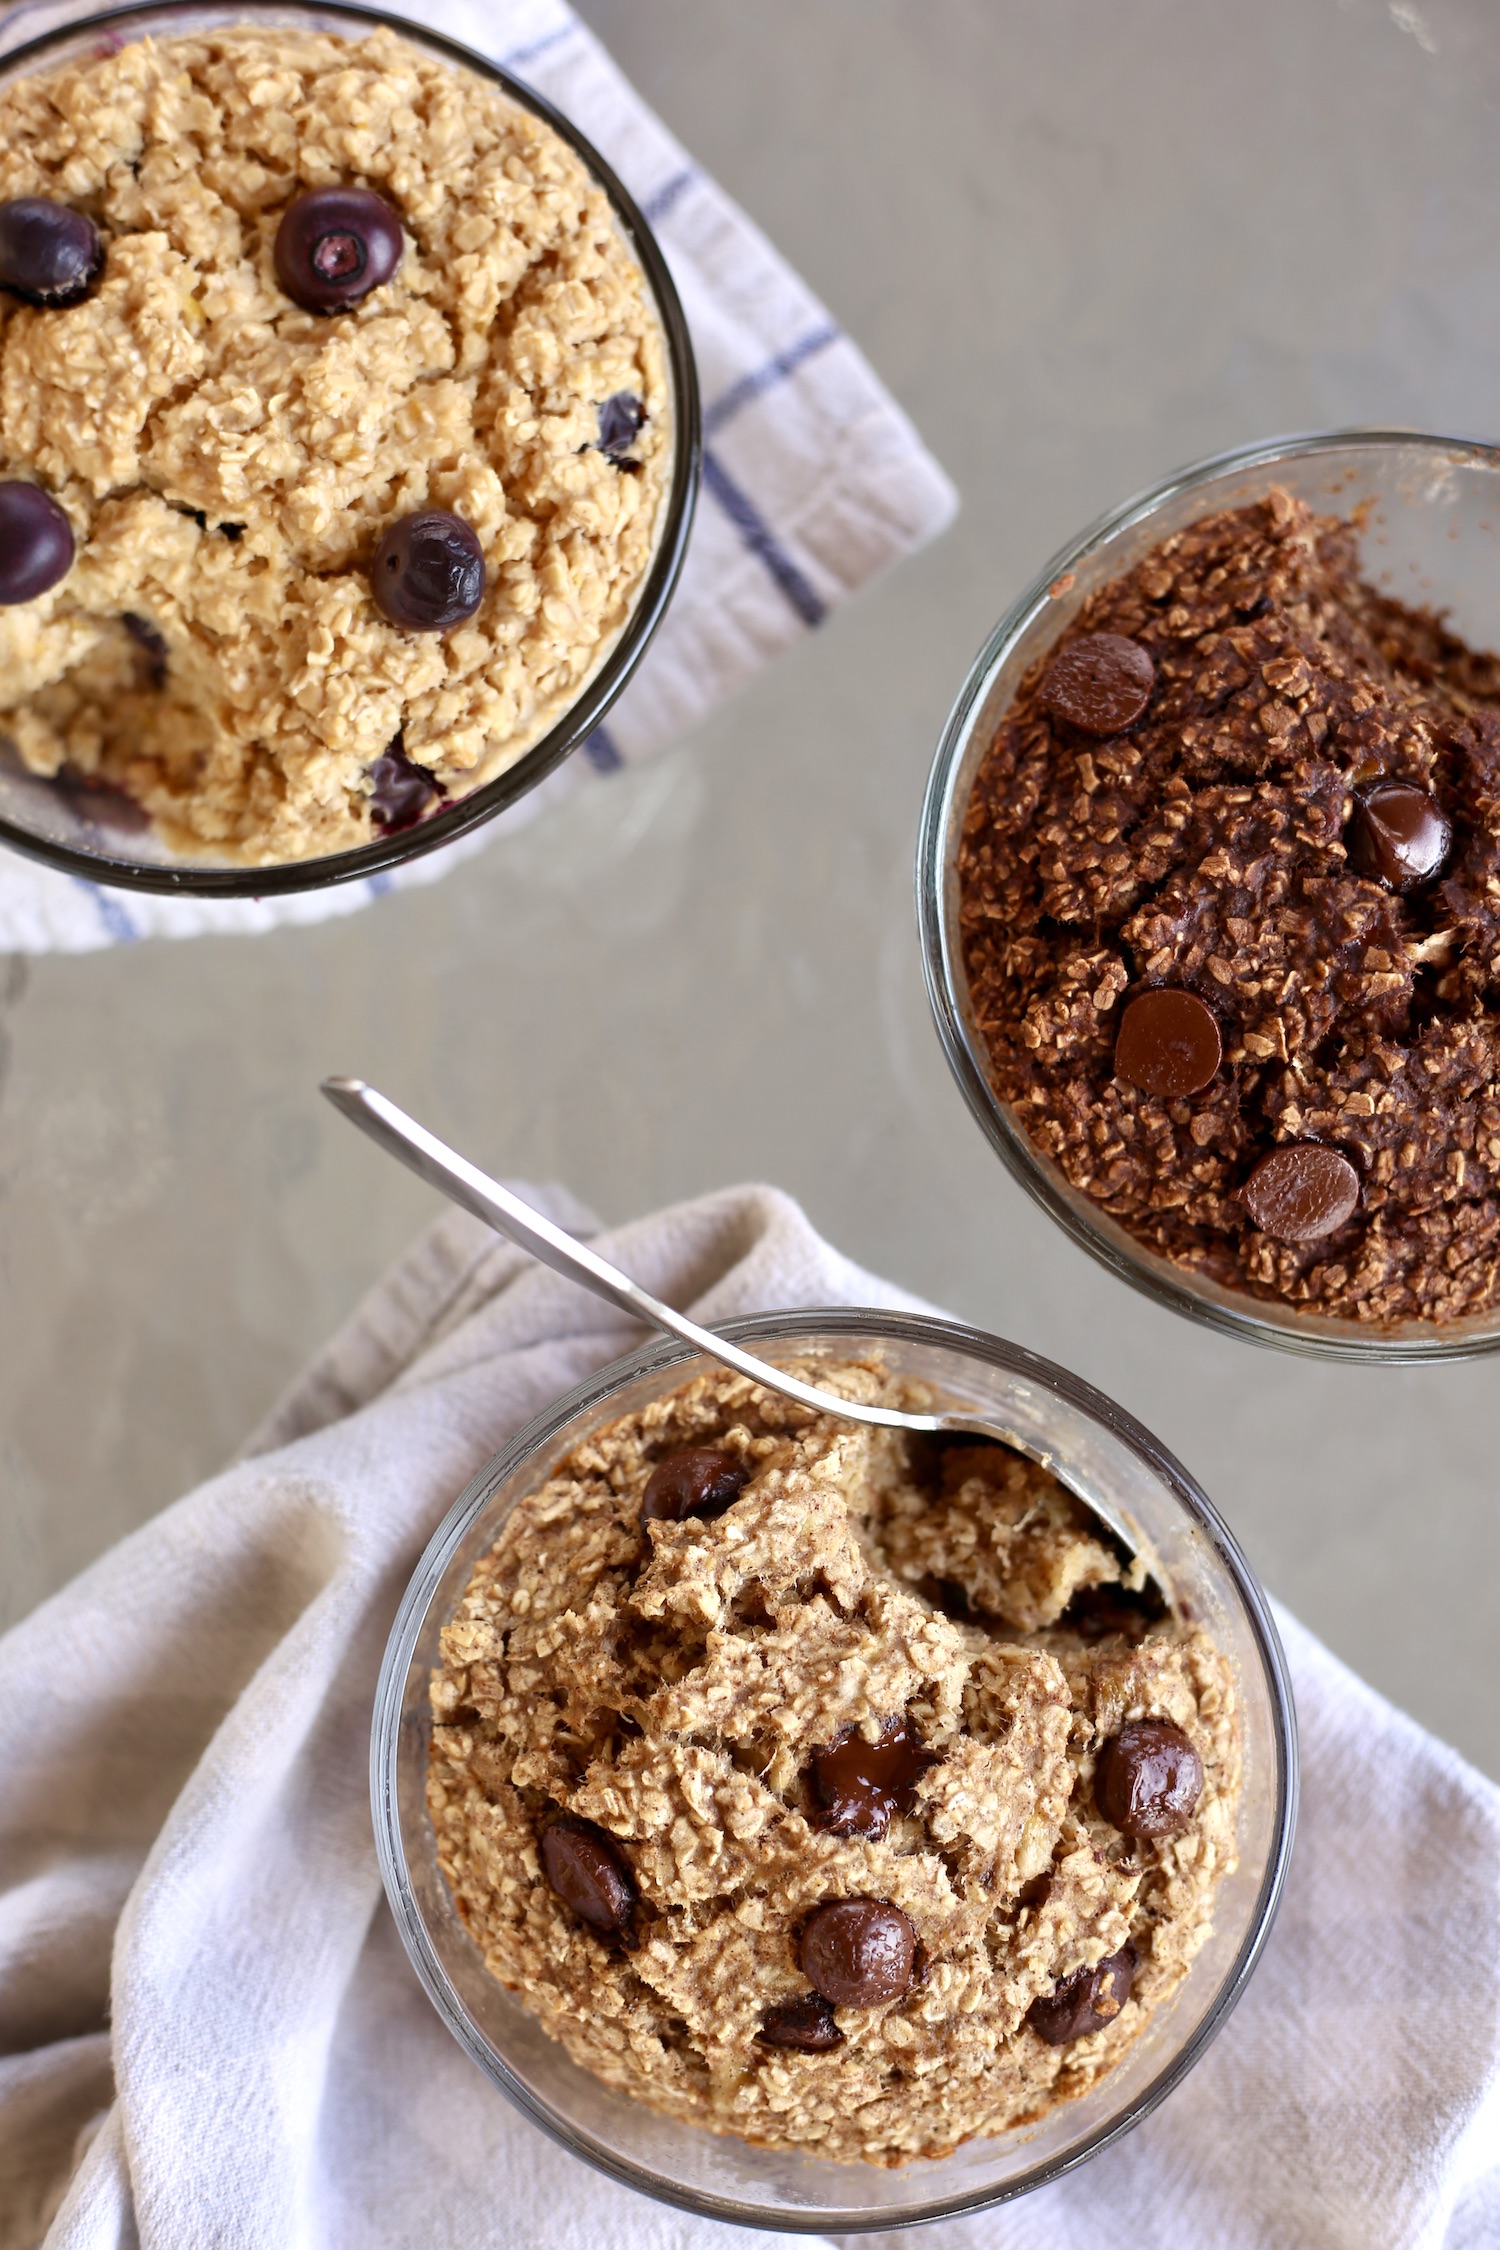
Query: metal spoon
442	1167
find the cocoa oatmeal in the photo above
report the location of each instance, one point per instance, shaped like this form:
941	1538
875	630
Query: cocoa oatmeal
824	1786
334	431
1230	883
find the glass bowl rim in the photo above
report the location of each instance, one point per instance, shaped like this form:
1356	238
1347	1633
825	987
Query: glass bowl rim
1253	1320
871	1324
282	877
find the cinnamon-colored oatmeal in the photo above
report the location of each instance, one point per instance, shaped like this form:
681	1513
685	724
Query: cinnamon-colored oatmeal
784	1816
229	461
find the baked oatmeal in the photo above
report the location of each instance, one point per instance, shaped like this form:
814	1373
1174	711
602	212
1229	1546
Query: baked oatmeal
832	1788
1230	904
334	433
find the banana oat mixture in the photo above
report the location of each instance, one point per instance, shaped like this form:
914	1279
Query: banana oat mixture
824	1786
334	431
1230	904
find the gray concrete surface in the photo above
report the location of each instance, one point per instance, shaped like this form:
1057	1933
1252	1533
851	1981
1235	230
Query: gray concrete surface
1083	243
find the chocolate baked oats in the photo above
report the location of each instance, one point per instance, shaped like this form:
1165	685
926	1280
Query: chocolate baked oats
825	1786
1230	908
334	430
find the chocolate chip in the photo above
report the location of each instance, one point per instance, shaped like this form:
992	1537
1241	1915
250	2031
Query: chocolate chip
858	1952
49	254
146	636
589	1873
861	1785
805	2025
701	1482
1084	2002
428	573
1397	835
620	419
1100	683
1148	1779
1169	1042
1301	1191
401	790
334	245
36	543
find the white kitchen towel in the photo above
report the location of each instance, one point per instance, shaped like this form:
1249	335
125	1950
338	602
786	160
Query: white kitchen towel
814	481
211	2039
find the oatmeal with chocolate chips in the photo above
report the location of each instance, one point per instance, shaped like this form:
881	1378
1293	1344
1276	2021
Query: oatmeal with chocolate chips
334	432
1230	903
824	1786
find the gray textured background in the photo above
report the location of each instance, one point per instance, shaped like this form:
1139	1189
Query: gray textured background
1083	243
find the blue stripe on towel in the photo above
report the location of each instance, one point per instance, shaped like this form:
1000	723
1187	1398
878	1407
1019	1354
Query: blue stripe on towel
761	540
111	912
667	196
521	56
762	379
602	751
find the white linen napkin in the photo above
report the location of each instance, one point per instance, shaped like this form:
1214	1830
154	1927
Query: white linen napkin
211	2036
814	480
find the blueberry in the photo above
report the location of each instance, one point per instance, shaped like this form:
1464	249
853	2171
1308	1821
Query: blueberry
334	245
36	543
49	253
428	572
402	790
620	419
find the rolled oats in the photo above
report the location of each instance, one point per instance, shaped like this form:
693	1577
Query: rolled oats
672	1683
229	462
1302	832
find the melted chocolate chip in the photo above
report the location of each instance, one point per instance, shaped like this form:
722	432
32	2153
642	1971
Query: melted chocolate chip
428	573
1301	1191
401	790
1100	683
588	1871
1169	1043
1084	2002
805	2025
334	245
1148	1779
36	543
49	254
861	1785
1097	1613
620	419
858	1952
701	1482
147	637
1397	835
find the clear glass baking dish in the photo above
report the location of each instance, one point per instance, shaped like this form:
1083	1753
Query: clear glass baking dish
1098	1449
97	834
1430	517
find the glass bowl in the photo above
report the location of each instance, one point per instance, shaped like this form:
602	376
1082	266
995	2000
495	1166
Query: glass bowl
1430	518
99	834
1097	1448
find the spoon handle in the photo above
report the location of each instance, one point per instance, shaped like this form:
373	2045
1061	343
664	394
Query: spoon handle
442	1167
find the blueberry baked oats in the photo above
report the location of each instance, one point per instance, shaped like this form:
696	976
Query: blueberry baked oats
824	1786
334	431
1230	905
